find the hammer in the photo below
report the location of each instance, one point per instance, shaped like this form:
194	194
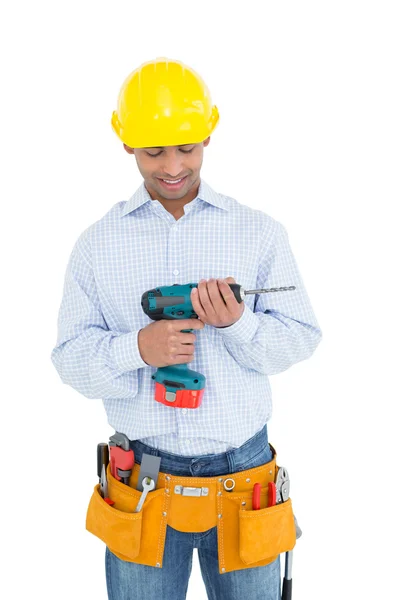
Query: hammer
287	580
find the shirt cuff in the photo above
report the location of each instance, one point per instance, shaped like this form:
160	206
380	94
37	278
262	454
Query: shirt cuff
125	352
243	330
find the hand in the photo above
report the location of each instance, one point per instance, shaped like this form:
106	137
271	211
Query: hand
162	343
215	304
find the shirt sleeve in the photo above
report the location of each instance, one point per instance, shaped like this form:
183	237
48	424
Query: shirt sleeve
97	362
282	330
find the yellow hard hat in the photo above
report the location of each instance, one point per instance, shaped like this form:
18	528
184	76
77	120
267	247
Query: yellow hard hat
164	103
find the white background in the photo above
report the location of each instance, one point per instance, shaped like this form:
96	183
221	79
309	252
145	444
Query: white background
308	94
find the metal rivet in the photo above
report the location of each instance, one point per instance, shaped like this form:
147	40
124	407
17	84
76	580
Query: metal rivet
270	472
220	479
219	493
243	503
158	564
248	480
219	516
167	491
167	477
164	514
223	570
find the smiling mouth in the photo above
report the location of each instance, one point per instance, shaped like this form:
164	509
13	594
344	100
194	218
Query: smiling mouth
172	180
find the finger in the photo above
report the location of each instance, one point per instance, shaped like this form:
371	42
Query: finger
183	359
179	325
228	295
196	303
186	338
230	280
205	299
216	298
186	349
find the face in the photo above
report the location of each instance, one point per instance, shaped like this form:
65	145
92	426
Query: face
159	166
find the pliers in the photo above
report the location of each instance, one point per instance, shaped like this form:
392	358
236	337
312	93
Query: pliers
282	485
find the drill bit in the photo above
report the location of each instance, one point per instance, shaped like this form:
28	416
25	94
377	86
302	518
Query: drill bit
280	289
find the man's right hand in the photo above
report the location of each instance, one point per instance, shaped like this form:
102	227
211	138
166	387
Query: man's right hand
162	343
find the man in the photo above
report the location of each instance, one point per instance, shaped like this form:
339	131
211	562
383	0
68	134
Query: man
177	229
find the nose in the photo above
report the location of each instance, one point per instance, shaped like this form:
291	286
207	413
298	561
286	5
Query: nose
172	166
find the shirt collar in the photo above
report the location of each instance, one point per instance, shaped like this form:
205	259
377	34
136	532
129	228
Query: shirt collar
205	194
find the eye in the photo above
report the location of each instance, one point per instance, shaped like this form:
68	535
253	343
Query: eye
181	150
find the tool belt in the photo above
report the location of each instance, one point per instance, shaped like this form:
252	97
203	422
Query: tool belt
246	537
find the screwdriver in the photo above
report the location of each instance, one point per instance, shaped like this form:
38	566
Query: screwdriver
102	458
102	463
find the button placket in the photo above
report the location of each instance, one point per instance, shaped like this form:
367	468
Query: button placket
172	252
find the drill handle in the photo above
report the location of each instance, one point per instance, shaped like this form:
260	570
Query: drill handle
235	287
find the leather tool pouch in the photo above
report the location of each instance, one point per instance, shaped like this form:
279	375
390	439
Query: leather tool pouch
252	538
246	538
124	530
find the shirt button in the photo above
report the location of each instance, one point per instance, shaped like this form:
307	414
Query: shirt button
184	411
175	272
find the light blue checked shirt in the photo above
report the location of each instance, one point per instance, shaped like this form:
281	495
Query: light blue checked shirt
139	245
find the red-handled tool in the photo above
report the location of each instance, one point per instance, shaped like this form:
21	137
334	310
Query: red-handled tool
122	457
271	493
104	487
257	496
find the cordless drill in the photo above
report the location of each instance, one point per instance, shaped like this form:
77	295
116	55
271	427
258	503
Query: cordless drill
176	385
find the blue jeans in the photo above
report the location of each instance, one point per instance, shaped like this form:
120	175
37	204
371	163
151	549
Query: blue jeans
131	581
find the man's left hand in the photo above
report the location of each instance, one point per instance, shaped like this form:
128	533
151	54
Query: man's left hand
215	304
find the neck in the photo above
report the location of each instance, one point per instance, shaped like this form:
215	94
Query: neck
175	206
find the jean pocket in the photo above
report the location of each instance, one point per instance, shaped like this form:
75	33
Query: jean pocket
262	457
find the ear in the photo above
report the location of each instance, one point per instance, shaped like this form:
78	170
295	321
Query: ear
129	150
207	141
